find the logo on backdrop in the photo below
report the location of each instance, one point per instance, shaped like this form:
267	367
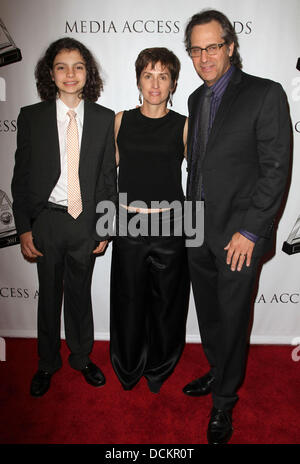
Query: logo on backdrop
277	298
8	235
296	93
292	243
7	125
2	89
8	293
9	52
138	26
242	28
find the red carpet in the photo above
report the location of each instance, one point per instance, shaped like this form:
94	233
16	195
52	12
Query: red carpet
72	412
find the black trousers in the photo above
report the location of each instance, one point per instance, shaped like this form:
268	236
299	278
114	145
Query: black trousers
149	304
65	269
223	300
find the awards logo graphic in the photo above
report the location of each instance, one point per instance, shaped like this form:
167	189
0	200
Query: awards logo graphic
9	52
292	244
8	234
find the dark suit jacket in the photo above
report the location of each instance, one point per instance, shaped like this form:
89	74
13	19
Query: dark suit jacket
37	166
245	168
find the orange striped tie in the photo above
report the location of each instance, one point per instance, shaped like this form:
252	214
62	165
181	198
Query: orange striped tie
74	194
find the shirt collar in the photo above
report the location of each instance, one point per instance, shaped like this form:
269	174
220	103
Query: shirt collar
62	110
219	87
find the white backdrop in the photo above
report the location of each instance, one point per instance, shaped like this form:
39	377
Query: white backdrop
116	31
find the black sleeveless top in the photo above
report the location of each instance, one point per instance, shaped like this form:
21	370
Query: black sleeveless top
151	152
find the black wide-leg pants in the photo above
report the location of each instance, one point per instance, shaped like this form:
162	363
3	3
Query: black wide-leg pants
223	300
149	304
64	273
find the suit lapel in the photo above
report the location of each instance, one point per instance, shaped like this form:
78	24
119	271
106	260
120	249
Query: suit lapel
228	98
193	122
50	138
87	132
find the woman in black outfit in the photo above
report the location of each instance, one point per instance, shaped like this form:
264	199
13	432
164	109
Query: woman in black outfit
149	276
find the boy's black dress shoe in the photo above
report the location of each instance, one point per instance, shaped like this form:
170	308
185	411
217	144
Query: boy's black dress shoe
40	383
93	375
220	427
199	387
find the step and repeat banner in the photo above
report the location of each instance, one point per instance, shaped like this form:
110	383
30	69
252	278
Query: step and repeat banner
116	31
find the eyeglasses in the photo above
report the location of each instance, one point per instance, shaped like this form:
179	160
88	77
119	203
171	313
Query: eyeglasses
210	50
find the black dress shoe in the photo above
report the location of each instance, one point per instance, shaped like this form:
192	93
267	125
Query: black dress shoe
93	375
40	383
199	387
220	427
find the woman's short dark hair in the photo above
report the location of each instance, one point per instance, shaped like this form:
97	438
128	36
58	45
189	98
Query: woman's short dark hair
154	55
46	87
229	34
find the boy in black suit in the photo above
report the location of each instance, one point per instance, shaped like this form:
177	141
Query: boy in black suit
65	165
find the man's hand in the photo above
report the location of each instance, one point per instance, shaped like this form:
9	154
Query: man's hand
27	246
239	250
101	247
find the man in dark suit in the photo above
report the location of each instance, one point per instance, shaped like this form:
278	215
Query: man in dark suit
65	165
238	159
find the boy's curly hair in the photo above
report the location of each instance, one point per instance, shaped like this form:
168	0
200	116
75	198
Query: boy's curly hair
46	87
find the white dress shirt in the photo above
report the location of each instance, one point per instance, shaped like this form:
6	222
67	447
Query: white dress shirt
59	194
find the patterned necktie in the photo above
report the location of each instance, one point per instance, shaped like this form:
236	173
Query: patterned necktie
74	195
199	148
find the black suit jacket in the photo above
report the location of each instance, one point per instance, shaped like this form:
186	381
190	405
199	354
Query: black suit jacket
37	166
246	165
